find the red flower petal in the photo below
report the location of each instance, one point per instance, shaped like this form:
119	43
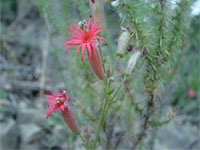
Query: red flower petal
75	43
93	46
69	98
73	36
98	37
68	48
95	22
82	52
99	26
68	107
89	50
49	111
89	23
77	50
49	96
96	32
72	41
51	101
74	31
52	92
77	27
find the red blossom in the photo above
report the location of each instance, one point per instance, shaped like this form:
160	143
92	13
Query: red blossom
191	93
85	38
57	101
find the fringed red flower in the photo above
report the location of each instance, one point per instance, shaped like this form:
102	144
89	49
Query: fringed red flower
59	102
85	37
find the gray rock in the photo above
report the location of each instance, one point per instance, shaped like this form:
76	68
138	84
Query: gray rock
9	134
24	7
29	115
30	136
36	35
176	136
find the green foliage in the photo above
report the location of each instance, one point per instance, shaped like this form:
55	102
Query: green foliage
156	28
8	6
187	75
3	94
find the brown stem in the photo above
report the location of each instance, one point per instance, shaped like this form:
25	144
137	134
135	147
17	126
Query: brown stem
130	94
146	121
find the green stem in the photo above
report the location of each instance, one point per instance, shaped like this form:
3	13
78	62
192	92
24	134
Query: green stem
106	107
115	65
85	143
104	103
102	116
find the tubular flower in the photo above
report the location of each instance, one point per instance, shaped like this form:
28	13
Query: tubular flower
85	37
59	101
96	64
70	119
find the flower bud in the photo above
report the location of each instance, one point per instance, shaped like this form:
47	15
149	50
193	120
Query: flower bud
191	93
96	64
132	62
123	43
96	7
144	53
70	119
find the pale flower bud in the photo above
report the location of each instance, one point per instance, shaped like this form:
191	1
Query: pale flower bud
132	62
123	42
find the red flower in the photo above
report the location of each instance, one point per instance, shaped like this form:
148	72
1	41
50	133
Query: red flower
57	102
191	93
85	37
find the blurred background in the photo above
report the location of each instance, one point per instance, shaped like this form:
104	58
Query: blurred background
33	61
